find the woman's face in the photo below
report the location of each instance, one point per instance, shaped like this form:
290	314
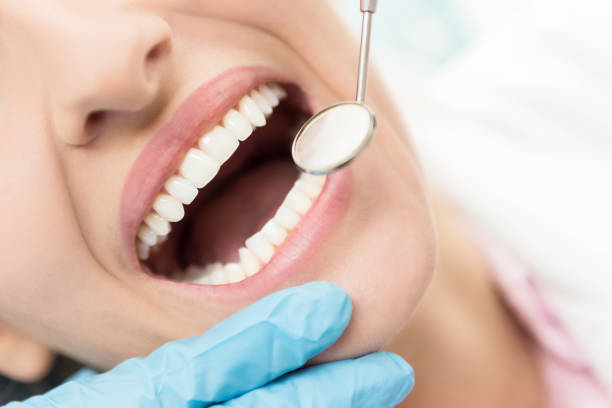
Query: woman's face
100	102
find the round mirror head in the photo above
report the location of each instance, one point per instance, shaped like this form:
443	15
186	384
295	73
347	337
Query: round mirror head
332	138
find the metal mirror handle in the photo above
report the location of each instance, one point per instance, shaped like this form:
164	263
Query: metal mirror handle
368	8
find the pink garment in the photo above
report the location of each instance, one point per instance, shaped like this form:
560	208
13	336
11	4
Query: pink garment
568	378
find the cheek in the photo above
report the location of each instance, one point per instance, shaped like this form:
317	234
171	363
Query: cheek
385	289
385	254
34	222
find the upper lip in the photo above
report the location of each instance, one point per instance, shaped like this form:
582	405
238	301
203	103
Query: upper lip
201	111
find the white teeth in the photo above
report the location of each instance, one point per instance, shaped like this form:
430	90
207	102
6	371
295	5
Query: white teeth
158	224
298	201
249	262
318	180
219	143
199	168
147	235
199	274
310	189
261	102
274	232
202	164
260	247
286	217
234	272
181	189
143	250
238	124
169	208
192	273
278	90
269	95
218	277
251	111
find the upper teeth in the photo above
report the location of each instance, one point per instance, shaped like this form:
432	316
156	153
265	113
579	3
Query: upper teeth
201	165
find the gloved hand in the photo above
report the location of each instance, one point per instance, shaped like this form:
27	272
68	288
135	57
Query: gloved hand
249	360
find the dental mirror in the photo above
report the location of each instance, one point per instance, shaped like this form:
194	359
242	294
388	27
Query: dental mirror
335	136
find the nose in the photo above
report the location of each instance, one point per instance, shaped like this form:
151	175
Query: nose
99	65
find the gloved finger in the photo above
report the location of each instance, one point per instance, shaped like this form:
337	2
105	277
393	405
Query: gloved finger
275	335
378	380
82	374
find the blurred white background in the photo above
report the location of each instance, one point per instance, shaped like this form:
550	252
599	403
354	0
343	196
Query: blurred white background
509	105
417	37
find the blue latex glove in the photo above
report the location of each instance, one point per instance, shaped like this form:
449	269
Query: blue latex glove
249	360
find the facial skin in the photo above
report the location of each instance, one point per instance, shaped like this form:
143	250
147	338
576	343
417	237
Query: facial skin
64	281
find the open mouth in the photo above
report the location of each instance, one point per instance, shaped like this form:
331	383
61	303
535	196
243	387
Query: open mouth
234	198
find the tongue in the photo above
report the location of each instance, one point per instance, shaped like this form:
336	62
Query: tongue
220	227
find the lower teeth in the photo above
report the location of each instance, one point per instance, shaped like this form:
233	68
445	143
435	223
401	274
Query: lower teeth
261	246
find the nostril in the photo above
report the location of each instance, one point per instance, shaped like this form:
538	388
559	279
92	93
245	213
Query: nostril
155	57
155	52
94	121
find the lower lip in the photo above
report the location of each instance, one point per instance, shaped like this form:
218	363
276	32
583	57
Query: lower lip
290	261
